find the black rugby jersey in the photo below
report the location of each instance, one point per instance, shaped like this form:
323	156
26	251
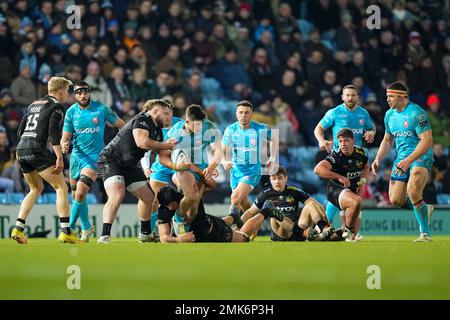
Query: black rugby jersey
350	167
123	148
285	201
42	122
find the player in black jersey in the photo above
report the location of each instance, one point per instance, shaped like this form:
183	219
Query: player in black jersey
347	170
297	224
119	164
43	122
203	228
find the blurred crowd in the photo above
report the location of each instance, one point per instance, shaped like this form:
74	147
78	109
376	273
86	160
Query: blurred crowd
291	58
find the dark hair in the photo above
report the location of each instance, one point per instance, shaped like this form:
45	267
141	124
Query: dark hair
398	86
195	112
350	86
167	194
345	133
244	103
281	170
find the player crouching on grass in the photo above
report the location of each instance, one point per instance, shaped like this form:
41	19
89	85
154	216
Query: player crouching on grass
347	170
292	223
203	228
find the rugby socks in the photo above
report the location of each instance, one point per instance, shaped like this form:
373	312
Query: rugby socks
84	216
106	229
408	204
80	209
20	224
421	213
153	220
298	233
64	221
146	227
321	224
74	215
235	214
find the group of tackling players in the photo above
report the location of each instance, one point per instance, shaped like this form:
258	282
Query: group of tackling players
155	150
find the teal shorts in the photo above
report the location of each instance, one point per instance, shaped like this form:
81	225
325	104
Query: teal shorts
251	178
425	162
78	163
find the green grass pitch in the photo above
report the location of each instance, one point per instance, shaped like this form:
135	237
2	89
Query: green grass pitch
126	269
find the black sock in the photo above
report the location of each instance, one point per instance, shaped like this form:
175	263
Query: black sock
321	224
20	224
297	233
348	228
146	227
106	229
64	221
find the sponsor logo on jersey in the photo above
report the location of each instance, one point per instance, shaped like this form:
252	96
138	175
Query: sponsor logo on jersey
358	164
95	120
361	122
282	209
88	130
405	124
358	131
352	175
403	134
290	199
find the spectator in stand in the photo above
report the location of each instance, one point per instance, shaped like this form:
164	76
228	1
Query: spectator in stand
206	19
243	46
414	49
117	85
23	88
140	90
232	76
268	44
219	40
121	60
159	86
261	73
439	121
203	50
440	166
11	125
14	174
191	89
99	88
315	67
171	61
105	61
27	57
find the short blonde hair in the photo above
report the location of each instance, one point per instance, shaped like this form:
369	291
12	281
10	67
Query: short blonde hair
150	104
58	83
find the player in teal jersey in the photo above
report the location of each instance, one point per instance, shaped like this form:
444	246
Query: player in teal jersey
159	176
84	126
346	115
242	143
407	125
195	157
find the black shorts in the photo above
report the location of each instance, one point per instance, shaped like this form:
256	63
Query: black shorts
333	193
111	171
293	237
35	159
218	231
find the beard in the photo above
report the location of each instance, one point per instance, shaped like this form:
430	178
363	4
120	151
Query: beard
84	105
160	122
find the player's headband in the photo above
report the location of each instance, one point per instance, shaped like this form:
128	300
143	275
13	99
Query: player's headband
397	92
81	89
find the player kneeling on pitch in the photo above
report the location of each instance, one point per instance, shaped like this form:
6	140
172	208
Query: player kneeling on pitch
347	170
204	228
289	223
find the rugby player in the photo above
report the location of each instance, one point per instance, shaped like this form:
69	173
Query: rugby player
242	141
347	170
84	125
119	169
198	144
296	224
42	123
204	227
407	125
158	174
346	115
